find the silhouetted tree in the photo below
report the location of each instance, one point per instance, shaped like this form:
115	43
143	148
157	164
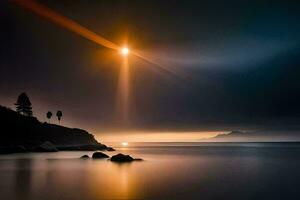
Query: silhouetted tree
59	115
23	105
49	115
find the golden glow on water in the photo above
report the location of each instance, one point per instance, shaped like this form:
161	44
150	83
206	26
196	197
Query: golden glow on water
143	136
120	181
125	144
165	173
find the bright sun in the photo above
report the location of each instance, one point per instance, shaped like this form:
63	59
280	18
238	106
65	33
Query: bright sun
125	144
124	51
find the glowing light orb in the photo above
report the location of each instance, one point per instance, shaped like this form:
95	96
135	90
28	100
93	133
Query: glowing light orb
125	144
124	51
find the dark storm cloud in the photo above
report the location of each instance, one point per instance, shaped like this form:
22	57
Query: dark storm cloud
241	57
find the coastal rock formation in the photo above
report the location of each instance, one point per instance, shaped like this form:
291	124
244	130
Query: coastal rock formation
46	147
110	149
13	149
21	133
99	155
87	147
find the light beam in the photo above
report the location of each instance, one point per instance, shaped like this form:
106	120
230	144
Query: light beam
123	92
65	22
75	27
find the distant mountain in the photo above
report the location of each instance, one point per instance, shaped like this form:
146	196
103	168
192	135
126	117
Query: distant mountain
231	134
256	136
19	133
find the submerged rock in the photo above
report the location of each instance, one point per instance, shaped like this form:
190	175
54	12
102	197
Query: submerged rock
121	158
98	155
84	157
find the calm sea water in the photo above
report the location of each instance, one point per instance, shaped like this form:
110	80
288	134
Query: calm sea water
170	171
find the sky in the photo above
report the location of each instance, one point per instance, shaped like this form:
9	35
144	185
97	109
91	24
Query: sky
236	66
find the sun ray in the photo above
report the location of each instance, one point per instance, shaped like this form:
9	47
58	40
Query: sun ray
65	22
71	25
77	28
123	92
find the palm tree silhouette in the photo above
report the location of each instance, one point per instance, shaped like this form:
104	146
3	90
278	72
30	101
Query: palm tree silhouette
59	115
49	115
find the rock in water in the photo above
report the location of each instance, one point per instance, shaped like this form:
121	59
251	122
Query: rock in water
84	157
121	158
46	147
98	155
110	149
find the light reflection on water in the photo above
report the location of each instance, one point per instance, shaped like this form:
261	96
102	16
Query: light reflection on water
185	172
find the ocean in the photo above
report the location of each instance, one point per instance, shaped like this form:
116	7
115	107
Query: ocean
169	171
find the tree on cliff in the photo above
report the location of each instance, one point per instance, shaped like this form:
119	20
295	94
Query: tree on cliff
23	105
59	115
49	115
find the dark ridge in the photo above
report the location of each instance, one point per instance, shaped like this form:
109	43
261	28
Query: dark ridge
19	133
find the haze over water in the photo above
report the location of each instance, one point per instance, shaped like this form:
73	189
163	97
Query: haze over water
170	171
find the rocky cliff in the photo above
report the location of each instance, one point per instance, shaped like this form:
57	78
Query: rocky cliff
22	133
